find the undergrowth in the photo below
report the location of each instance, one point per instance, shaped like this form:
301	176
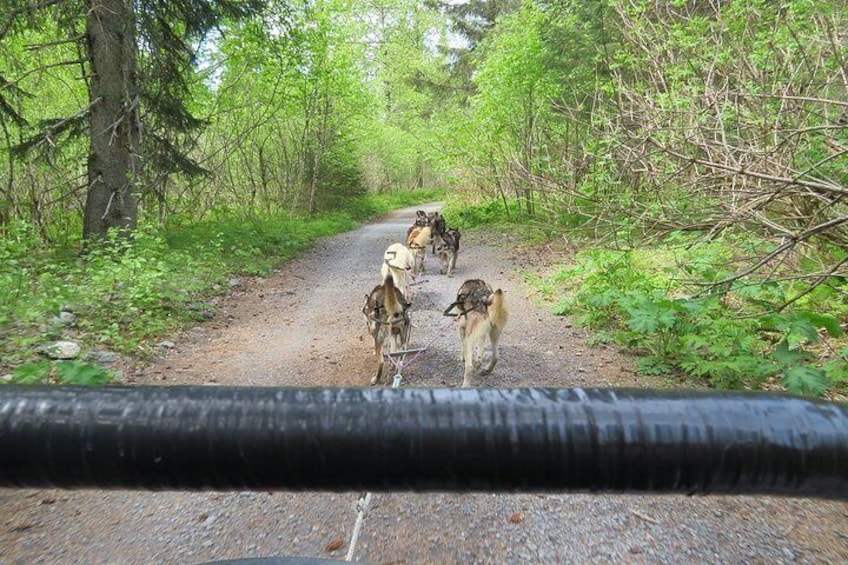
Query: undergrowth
125	296
659	303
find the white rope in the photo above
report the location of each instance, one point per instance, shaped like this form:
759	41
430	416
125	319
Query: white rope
364	501
361	507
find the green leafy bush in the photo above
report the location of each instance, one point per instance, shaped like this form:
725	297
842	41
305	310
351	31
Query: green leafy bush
648	300
60	372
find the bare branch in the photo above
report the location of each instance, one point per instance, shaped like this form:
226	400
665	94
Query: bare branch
828	187
815	284
787	244
37	46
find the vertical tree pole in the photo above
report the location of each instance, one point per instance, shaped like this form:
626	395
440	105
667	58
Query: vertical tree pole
115	122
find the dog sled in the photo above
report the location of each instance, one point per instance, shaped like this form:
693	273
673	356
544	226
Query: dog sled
492	440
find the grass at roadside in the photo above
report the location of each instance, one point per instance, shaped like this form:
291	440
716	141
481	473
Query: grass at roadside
125	297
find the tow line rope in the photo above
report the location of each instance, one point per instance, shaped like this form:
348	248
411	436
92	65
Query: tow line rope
363	503
364	500
398	358
361	507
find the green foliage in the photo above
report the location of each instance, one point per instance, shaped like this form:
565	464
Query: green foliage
481	214
732	340
60	372
798	376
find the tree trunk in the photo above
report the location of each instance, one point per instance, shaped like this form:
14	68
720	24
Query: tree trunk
115	124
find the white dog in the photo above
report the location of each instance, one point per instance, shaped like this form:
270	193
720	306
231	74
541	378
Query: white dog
397	260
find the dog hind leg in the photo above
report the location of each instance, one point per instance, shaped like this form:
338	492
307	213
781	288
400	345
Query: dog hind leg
494	337
474	344
468	355
463	322
379	338
378	351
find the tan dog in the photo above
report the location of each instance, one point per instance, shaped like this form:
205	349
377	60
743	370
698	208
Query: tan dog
482	313
417	243
386	314
397	260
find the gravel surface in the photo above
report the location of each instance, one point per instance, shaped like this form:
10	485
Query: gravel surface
303	327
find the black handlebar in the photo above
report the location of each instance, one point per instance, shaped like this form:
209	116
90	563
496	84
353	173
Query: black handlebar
381	439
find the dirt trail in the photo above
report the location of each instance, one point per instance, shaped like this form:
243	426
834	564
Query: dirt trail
302	327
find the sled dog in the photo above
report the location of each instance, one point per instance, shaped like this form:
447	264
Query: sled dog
417	243
386	313
397	261
482	314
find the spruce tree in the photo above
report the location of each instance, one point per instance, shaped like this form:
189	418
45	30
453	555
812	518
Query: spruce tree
136	58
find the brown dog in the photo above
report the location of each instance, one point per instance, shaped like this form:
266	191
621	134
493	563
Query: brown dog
421	220
438	224
387	317
417	243
447	250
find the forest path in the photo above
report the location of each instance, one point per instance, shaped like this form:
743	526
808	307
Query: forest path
303	327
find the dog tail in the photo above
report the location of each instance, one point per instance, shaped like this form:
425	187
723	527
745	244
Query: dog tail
411	235
497	310
389	298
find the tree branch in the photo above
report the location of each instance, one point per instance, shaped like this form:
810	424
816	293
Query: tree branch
12	15
816	283
827	187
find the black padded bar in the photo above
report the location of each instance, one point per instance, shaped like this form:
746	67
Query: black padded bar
382	439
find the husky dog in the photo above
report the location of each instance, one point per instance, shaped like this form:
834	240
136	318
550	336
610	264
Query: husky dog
421	220
447	251
455	233
438	225
474	294
397	260
386	314
482	313
417	243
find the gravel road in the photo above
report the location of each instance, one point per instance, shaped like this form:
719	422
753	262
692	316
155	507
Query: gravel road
303	327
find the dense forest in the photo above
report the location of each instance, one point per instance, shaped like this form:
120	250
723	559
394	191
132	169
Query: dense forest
692	156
